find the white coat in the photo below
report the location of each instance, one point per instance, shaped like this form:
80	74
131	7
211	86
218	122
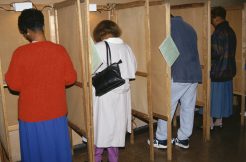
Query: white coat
112	111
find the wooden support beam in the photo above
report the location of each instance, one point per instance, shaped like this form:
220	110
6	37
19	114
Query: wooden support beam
121	6
190	5
64	4
243	65
237	7
142	74
207	35
168	85
156	3
158	116
140	115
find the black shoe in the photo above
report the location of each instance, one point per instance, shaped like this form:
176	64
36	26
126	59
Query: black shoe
181	143
160	144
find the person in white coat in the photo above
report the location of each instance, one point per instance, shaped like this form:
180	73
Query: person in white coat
112	111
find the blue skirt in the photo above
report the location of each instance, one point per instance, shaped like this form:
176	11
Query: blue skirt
221	99
46	141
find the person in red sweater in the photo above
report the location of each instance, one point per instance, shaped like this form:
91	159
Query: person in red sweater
40	72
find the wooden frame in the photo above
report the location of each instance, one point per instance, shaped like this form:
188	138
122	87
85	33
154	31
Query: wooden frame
84	76
244	57
239	80
8	102
142	75
145	72
161	72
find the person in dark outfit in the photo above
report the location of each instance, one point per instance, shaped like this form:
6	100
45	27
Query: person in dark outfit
223	66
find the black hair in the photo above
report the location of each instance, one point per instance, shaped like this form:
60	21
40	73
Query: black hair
32	19
218	12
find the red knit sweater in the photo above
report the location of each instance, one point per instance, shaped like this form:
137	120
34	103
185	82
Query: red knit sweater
40	71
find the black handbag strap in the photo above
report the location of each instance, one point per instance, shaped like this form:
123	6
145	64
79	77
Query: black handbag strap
109	61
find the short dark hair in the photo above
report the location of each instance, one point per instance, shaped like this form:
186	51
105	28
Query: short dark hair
104	28
32	19
218	12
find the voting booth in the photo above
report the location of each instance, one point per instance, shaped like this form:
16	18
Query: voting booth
197	14
11	39
63	25
72	27
236	18
151	88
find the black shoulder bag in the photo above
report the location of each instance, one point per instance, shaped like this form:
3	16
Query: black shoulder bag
109	78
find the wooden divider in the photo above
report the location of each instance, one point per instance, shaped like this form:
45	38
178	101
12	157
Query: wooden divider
10	40
161	72
236	18
73	33
151	89
133	18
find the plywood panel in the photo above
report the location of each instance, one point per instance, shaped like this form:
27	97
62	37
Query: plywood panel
3	125
132	22
12	107
75	101
139	95
69	37
234	17
158	64
10	38
96	17
194	16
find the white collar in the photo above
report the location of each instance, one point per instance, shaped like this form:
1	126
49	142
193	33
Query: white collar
115	40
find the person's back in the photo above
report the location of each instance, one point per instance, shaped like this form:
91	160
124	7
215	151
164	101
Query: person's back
223	65
43	76
186	68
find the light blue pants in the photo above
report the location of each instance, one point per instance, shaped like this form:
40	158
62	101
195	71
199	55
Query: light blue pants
186	93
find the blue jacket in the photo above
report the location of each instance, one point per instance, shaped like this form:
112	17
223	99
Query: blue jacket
187	68
223	49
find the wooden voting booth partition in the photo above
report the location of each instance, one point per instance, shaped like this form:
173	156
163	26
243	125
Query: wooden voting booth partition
132	17
198	16
236	18
72	22
151	89
11	39
160	71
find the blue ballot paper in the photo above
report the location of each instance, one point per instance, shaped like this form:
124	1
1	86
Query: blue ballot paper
169	50
96	61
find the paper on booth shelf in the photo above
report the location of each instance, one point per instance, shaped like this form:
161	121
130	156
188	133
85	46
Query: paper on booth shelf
169	50
96	61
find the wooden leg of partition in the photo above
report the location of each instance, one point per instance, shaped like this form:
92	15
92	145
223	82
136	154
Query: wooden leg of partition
1	153
132	135
71	139
204	124
242	109
169	139
151	138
